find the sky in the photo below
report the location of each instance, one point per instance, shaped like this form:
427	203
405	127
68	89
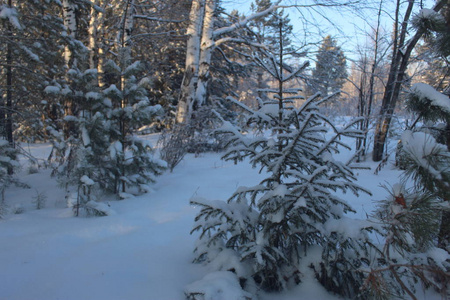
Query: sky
347	26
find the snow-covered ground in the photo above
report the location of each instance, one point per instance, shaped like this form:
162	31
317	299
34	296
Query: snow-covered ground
143	251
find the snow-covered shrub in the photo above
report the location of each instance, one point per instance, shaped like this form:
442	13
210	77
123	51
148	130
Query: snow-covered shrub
293	217
93	209
173	145
195	136
17	209
39	199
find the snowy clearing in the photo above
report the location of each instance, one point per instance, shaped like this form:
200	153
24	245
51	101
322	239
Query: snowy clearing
143	250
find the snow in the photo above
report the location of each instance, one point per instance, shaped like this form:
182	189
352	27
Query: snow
50	89
425	91
143	248
348	227
428	13
93	95
420	145
112	90
222	285
10	14
86	180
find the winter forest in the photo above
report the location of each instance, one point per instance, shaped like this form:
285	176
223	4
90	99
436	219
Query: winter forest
224	150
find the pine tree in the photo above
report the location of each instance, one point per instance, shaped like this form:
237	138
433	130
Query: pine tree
8	162
98	148
270	233
129	156
330	72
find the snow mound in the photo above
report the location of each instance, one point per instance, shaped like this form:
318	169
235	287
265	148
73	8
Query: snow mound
100	208
222	285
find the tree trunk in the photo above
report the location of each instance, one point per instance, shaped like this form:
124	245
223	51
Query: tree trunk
206	49
9	88
401	54
93	32
191	72
124	39
70	22
372	81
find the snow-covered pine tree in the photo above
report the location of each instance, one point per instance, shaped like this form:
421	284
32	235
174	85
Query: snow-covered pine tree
98	149
330	72
130	159
292	224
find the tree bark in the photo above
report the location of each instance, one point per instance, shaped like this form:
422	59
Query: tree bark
201	42
206	49
400	59
9	87
70	22
190	79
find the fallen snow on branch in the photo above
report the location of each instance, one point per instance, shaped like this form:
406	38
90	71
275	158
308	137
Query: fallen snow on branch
425	91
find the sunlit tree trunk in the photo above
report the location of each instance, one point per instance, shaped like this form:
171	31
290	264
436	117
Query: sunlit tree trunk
190	79
400	58
70	22
206	49
201	42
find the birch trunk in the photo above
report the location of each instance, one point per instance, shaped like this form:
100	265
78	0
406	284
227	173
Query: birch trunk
93	33
70	22
190	79
71	25
126	24
206	49
201	42
124	41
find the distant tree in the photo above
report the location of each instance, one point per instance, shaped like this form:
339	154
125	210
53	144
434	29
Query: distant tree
365	83
330	71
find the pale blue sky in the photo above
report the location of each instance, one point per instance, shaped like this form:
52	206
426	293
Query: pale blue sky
353	25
